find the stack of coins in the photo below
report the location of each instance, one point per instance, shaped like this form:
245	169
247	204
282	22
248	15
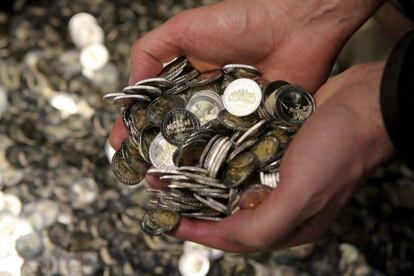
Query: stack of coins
215	138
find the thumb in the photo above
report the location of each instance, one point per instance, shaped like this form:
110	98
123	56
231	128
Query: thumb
157	47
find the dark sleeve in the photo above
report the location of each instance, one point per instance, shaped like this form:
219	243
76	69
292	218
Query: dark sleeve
397	97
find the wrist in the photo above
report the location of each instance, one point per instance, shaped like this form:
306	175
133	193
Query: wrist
355	95
336	20
364	81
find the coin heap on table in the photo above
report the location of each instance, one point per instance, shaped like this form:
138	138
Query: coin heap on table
215	138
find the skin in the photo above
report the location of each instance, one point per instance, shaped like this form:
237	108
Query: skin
334	149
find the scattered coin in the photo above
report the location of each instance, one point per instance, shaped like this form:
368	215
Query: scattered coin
30	245
194	264
94	57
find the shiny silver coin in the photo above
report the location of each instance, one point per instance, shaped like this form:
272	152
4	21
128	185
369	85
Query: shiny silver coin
214	150
192	169
127	100
156	82
182	90
161	171
198	177
109	97
174	68
293	105
242	97
289	129
233	201
178	124
206	214
272	167
161	153
205	106
270	179
241	148
186	185
220	158
213	204
186	78
145	90
273	87
251	132
207	150
242	70
206	77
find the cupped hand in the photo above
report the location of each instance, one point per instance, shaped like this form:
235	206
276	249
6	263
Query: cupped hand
342	140
330	154
287	40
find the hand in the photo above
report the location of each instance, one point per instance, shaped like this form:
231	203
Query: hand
341	142
290	40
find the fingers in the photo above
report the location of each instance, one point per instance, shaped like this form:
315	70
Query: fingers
207	233
246	231
118	133
157	47
314	170
214	234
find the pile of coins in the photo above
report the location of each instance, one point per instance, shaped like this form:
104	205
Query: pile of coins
215	138
62	212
